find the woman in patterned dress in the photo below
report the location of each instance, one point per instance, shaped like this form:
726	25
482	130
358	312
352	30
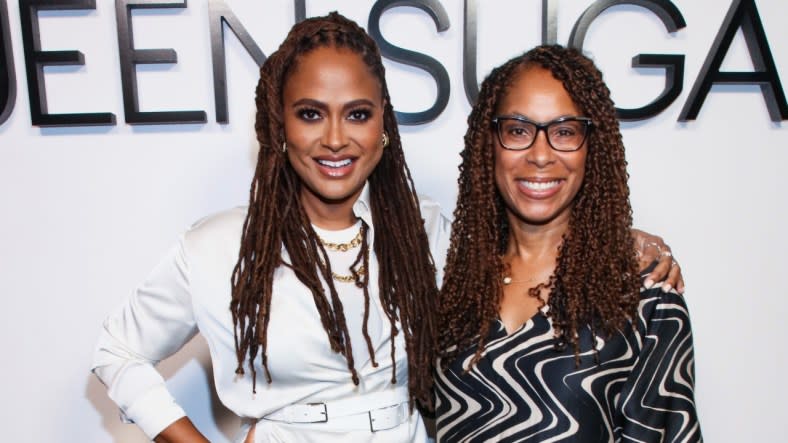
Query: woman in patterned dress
548	332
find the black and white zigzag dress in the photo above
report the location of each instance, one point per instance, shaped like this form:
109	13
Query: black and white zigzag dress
524	390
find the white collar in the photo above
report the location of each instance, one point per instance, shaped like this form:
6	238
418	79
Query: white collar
362	208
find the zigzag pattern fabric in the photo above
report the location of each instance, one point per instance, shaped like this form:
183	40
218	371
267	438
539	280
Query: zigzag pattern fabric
639	387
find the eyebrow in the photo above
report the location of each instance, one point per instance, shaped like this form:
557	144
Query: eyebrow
532	120
320	105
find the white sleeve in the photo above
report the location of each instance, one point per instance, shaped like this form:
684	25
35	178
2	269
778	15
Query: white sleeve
438	230
155	321
440	248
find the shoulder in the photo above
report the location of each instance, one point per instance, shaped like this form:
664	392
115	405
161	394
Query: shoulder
426	203
216	232
218	223
654	297
438	229
230	215
656	306
434	220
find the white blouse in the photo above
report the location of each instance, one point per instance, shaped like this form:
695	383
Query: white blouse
189	291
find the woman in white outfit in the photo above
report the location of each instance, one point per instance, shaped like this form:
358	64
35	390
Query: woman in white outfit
317	301
329	330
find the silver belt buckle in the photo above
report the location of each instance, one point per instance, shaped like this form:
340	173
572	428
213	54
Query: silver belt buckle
385	418
321	410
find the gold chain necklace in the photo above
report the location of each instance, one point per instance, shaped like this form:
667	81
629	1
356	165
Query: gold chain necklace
344	247
507	280
348	278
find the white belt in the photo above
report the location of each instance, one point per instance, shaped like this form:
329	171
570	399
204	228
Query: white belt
375	411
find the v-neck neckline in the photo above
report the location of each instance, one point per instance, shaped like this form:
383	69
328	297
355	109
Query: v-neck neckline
507	334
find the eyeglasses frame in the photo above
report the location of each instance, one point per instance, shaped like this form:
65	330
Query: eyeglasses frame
542	127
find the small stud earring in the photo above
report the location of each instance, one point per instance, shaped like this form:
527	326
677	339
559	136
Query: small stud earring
284	146
384	139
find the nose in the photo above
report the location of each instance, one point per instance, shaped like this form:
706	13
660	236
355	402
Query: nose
334	135
540	154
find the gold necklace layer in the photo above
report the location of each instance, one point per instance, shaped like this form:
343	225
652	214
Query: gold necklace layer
348	278
507	280
344	247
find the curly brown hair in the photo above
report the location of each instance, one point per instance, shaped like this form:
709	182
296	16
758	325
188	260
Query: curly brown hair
276	218
595	282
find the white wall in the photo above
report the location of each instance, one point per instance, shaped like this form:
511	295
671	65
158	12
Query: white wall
87	211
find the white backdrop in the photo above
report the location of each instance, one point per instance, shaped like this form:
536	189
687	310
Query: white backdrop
86	212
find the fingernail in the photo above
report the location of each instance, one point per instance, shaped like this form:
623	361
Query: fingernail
648	283
666	288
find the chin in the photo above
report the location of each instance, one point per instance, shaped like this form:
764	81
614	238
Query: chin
544	217
332	193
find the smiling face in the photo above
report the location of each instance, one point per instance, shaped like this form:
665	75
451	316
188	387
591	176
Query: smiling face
539	184
333	119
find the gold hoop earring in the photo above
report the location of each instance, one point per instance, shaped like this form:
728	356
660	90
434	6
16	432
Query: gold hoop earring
384	139
284	147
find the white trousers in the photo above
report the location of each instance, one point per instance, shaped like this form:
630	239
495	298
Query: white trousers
266	431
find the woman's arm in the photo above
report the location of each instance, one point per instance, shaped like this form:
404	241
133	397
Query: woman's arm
657	402
153	323
181	431
652	248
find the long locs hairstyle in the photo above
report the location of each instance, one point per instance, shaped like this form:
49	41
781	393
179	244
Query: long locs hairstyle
595	283
276	219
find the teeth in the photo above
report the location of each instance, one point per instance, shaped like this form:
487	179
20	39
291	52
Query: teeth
337	164
539	186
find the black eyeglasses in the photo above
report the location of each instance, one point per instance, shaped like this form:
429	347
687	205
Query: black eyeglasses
564	134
